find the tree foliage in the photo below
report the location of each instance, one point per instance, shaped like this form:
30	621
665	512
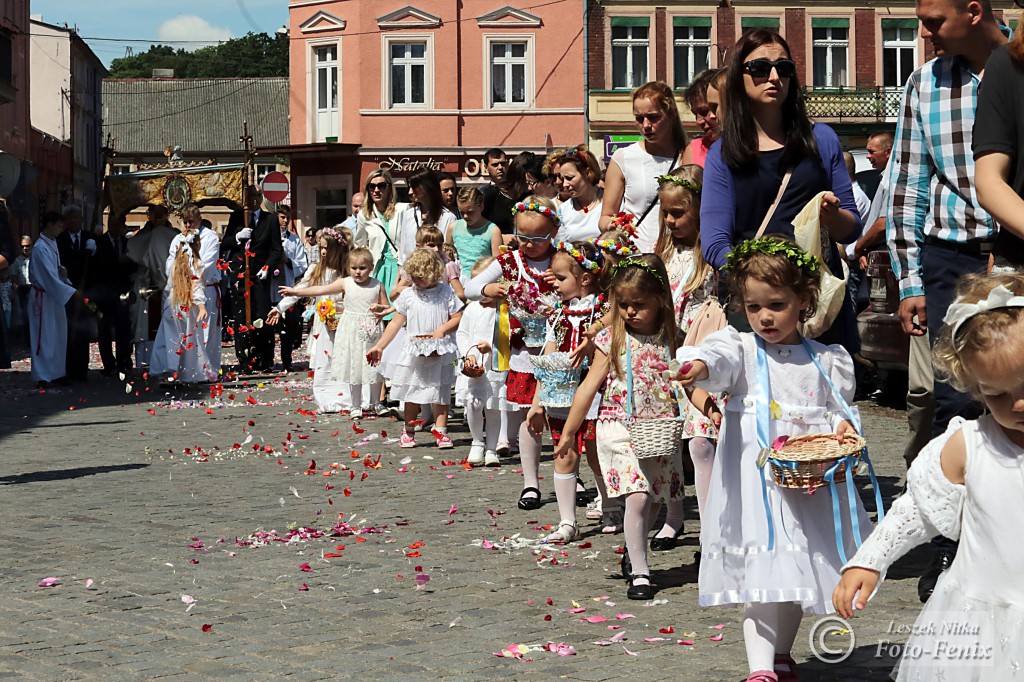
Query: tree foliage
255	55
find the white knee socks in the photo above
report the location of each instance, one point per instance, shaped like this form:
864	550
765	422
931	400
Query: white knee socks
495	424
529	456
475	421
565	493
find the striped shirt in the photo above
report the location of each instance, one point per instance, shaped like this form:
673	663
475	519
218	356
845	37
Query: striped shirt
931	174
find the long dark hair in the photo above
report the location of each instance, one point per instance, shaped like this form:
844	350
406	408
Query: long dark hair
426	180
739	134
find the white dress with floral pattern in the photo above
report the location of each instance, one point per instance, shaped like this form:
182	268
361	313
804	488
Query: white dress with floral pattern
624	474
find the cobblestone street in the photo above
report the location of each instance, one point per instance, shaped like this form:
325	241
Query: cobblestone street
241	537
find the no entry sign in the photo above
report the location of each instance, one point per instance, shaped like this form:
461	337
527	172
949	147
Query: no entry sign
275	186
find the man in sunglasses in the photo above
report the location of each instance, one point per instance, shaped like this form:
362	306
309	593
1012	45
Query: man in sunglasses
936	230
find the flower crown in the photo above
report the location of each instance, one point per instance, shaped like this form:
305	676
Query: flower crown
537	208
580	257
612	246
333	234
773	246
637	263
679	182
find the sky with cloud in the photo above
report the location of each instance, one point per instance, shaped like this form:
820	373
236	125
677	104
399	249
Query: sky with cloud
138	24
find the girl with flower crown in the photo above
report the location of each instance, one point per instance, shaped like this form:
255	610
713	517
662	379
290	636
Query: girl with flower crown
332	266
631	358
526	269
775	550
577	267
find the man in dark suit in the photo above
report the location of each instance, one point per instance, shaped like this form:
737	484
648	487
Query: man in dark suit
112	280
254	346
76	248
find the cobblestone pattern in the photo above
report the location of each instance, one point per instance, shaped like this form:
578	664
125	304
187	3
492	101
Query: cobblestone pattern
98	491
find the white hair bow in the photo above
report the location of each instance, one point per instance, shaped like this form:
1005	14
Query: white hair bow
999	297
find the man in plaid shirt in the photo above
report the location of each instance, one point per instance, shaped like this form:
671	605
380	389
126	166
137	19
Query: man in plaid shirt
936	229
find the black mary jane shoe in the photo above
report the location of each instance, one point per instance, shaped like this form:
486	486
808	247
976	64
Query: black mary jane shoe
665	544
626	566
640	592
941	561
584	496
529	503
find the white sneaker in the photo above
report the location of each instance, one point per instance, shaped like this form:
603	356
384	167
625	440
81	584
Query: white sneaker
491	459
356	414
476	455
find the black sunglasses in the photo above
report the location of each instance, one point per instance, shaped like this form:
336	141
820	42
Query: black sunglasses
379	185
762	68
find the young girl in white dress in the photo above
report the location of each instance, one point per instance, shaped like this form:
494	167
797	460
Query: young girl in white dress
966	484
332	266
425	372
772	549
483	397
629	361
693	283
179	353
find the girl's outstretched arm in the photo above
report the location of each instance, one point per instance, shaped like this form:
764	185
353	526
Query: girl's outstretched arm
390	332
335	287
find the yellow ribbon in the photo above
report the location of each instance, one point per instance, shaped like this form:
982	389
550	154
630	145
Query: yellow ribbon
502	338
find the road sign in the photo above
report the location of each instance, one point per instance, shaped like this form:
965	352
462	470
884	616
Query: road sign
275	186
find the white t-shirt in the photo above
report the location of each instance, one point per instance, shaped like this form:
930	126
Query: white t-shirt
640	171
578	225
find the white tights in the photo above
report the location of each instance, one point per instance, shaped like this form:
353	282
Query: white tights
769	629
496	425
635	529
702	453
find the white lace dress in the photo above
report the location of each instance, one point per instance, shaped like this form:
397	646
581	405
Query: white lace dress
425	371
358	329
977	608
328	392
804	565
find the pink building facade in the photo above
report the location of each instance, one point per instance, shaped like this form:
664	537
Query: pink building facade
387	84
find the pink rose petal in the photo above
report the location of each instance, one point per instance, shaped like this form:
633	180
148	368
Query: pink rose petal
595	619
48	582
624	616
631	653
685	642
718	627
453	509
579	610
655	639
717	638
421	580
88	583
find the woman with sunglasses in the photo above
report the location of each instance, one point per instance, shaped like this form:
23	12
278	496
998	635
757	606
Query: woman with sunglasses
631	183
377	226
766	135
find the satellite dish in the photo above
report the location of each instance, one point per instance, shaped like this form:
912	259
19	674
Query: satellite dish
23	205
10	173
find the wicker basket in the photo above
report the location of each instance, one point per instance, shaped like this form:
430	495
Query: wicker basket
331	323
474	372
813	455
658	437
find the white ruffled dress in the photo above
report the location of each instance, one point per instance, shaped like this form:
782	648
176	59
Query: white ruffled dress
737	566
970	628
425	371
358	329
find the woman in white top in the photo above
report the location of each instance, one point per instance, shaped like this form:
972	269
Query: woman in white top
631	183
427	208
578	173
378	224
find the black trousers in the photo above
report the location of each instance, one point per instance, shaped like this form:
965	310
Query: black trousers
77	355
114	331
289	329
941	267
254	347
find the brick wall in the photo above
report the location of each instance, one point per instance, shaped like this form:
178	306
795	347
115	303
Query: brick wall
662	36
726	32
796	35
598	41
866	48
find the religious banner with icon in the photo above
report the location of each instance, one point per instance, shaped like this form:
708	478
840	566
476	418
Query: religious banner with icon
176	185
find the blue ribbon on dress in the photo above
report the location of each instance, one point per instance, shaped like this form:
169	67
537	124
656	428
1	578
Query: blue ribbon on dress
763	399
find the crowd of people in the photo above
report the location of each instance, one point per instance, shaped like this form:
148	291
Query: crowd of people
677	316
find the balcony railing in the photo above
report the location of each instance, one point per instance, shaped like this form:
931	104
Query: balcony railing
861	104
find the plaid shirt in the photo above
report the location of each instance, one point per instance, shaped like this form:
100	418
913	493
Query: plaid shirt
931	174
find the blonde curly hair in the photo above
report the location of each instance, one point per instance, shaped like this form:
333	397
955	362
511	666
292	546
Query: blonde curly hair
426	265
979	336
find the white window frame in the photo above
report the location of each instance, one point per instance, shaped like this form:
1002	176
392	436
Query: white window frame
629	42
898	44
690	43
531	67
312	77
264	169
830	44
428	72
306	187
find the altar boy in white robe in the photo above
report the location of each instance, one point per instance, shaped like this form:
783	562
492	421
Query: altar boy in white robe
51	290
